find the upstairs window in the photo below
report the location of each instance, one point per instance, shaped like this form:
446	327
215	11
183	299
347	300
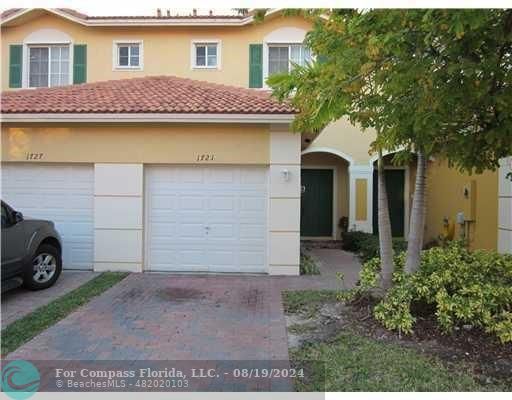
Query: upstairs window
49	66
206	55
128	55
282	57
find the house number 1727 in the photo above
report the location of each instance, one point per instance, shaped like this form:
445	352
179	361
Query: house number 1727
35	156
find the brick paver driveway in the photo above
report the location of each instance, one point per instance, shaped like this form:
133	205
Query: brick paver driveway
186	317
169	317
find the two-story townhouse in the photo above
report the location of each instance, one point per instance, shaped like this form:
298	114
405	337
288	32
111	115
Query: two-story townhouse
154	146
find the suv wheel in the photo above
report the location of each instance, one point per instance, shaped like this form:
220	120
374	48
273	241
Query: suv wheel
44	268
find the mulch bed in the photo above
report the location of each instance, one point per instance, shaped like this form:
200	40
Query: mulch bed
490	360
321	244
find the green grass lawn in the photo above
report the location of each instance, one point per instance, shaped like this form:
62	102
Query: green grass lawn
24	329
352	362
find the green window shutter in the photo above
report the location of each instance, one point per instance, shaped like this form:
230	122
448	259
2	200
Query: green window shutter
255	65
79	63
15	65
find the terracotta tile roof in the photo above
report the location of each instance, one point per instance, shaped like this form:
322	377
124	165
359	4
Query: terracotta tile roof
9	12
157	94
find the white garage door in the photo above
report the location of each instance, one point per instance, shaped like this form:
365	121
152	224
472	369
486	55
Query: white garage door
61	193
206	219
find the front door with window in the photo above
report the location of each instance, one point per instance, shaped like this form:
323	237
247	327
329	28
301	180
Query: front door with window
316	217
395	186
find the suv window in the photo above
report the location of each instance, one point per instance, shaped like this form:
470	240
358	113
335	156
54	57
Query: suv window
5	217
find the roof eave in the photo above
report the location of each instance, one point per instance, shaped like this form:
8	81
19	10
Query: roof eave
144	22
146	118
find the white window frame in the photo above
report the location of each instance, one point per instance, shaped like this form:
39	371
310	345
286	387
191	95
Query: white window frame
284	45
115	55
286	35
193	47
43	38
48	46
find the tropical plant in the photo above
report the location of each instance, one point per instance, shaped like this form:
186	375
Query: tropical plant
463	287
430	82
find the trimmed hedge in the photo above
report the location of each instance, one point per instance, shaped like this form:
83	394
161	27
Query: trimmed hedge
366	245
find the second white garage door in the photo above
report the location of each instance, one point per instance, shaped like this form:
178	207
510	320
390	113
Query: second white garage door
206	219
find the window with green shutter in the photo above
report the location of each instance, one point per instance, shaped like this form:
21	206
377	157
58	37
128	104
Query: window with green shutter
79	63
255	65
15	65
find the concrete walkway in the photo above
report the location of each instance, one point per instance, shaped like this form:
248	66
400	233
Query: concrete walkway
334	261
19	302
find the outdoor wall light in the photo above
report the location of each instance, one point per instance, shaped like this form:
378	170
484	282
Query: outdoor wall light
286	175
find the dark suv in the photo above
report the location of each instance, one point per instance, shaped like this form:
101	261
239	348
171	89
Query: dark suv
31	251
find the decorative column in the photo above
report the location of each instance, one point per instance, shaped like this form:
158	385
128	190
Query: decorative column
284	223
118	217
361	198
505	206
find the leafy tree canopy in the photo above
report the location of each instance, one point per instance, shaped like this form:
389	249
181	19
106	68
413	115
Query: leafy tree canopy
435	80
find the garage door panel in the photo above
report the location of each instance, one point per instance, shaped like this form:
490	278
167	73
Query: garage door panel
222	203
221	211
164	202
192	203
255	203
164	229
191	231
251	231
192	259
59	193
222	231
221	176
79	254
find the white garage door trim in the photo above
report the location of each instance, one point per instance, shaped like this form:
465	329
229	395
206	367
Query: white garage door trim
257	239
62	193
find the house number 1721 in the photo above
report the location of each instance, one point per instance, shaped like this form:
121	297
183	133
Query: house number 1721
205	157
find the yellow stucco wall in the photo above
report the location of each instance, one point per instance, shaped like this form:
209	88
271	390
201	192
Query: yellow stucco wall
144	143
348	139
446	199
166	49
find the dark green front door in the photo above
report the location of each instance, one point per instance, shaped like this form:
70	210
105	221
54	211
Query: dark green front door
316	205
395	186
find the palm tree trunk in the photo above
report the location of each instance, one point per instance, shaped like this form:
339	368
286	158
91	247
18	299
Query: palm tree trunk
418	213
385	238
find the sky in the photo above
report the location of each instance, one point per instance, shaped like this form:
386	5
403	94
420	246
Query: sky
148	7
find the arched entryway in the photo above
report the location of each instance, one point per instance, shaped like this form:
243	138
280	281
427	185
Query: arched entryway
325	193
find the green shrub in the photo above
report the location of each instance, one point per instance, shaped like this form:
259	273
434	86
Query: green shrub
308	265
366	245
464	287
351	240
